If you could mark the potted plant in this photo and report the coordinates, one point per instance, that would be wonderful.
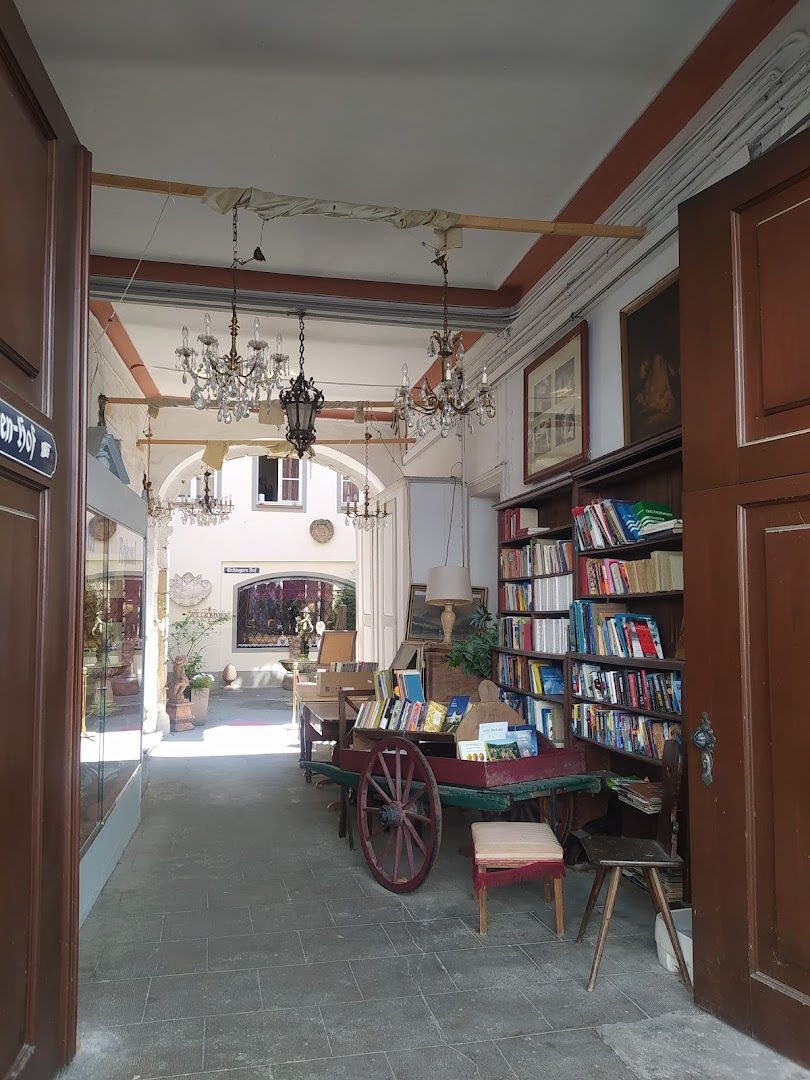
(186, 639)
(200, 687)
(474, 656)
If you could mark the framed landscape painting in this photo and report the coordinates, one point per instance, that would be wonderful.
(424, 620)
(651, 362)
(555, 407)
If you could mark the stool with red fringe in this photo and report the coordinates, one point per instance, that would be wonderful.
(508, 852)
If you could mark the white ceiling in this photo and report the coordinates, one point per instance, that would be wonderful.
(348, 360)
(498, 109)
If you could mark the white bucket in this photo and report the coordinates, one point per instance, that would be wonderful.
(683, 927)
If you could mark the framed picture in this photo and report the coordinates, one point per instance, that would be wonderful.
(424, 620)
(555, 407)
(651, 362)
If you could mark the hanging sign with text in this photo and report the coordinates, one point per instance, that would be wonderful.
(24, 441)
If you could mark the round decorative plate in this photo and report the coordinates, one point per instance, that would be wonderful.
(322, 530)
(102, 528)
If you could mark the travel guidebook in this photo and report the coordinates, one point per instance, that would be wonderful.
(456, 710)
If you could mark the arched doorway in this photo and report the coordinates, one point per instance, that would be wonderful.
(266, 609)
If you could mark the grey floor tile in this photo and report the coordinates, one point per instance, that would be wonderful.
(366, 1027)
(354, 911)
(254, 950)
(291, 915)
(568, 1055)
(213, 922)
(341, 884)
(358, 1067)
(346, 943)
(264, 1038)
(570, 1005)
(260, 1072)
(631, 952)
(246, 894)
(656, 992)
(511, 928)
(143, 1050)
(427, 904)
(171, 897)
(476, 969)
(432, 935)
(107, 928)
(307, 984)
(695, 1046)
(482, 1060)
(567, 960)
(173, 997)
(151, 958)
(108, 1004)
(402, 976)
(88, 959)
(498, 1010)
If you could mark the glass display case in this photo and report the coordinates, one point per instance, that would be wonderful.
(112, 716)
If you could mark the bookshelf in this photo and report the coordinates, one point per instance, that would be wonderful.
(649, 472)
(522, 558)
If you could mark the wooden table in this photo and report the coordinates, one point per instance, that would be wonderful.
(322, 719)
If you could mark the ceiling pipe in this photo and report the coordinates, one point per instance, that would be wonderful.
(113, 329)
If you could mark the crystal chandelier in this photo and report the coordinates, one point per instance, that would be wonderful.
(450, 402)
(301, 402)
(157, 512)
(203, 509)
(235, 385)
(359, 512)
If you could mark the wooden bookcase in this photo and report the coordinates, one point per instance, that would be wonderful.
(650, 472)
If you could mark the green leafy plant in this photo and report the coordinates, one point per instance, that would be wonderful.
(203, 681)
(473, 655)
(188, 634)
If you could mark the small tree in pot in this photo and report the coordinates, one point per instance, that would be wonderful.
(186, 639)
(474, 656)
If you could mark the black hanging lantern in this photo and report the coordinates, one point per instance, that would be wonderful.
(302, 403)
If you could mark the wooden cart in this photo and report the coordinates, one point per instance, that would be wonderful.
(399, 792)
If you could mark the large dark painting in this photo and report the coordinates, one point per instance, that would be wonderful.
(651, 362)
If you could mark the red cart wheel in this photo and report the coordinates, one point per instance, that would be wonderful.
(399, 815)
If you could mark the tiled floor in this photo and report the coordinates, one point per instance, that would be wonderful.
(239, 939)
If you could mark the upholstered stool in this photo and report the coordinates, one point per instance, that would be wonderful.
(508, 852)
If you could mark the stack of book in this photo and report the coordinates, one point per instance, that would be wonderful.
(644, 795)
(520, 521)
(353, 665)
(530, 676)
(614, 522)
(623, 731)
(516, 596)
(552, 556)
(662, 572)
(397, 714)
(534, 635)
(552, 593)
(659, 690)
(610, 630)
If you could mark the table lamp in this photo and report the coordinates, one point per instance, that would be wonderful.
(448, 587)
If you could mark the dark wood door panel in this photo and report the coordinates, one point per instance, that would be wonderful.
(744, 277)
(26, 236)
(20, 536)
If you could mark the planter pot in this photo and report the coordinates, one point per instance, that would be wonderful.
(199, 705)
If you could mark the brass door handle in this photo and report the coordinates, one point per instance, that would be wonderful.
(704, 739)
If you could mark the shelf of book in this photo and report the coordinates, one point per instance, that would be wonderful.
(657, 594)
(654, 663)
(654, 713)
(558, 698)
(646, 758)
(669, 541)
(525, 652)
(537, 614)
(551, 533)
(523, 577)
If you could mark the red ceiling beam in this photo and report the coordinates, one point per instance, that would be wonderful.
(122, 343)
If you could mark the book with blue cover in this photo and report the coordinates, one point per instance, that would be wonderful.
(552, 678)
(456, 709)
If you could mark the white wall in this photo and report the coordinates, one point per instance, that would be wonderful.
(276, 540)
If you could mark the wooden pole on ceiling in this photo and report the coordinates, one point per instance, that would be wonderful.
(272, 442)
(466, 221)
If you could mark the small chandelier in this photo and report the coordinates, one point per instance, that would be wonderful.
(302, 402)
(203, 509)
(157, 513)
(359, 512)
(235, 385)
(450, 402)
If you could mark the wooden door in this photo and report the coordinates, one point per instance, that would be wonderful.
(745, 340)
(44, 205)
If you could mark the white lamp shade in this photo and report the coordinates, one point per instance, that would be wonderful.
(449, 585)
